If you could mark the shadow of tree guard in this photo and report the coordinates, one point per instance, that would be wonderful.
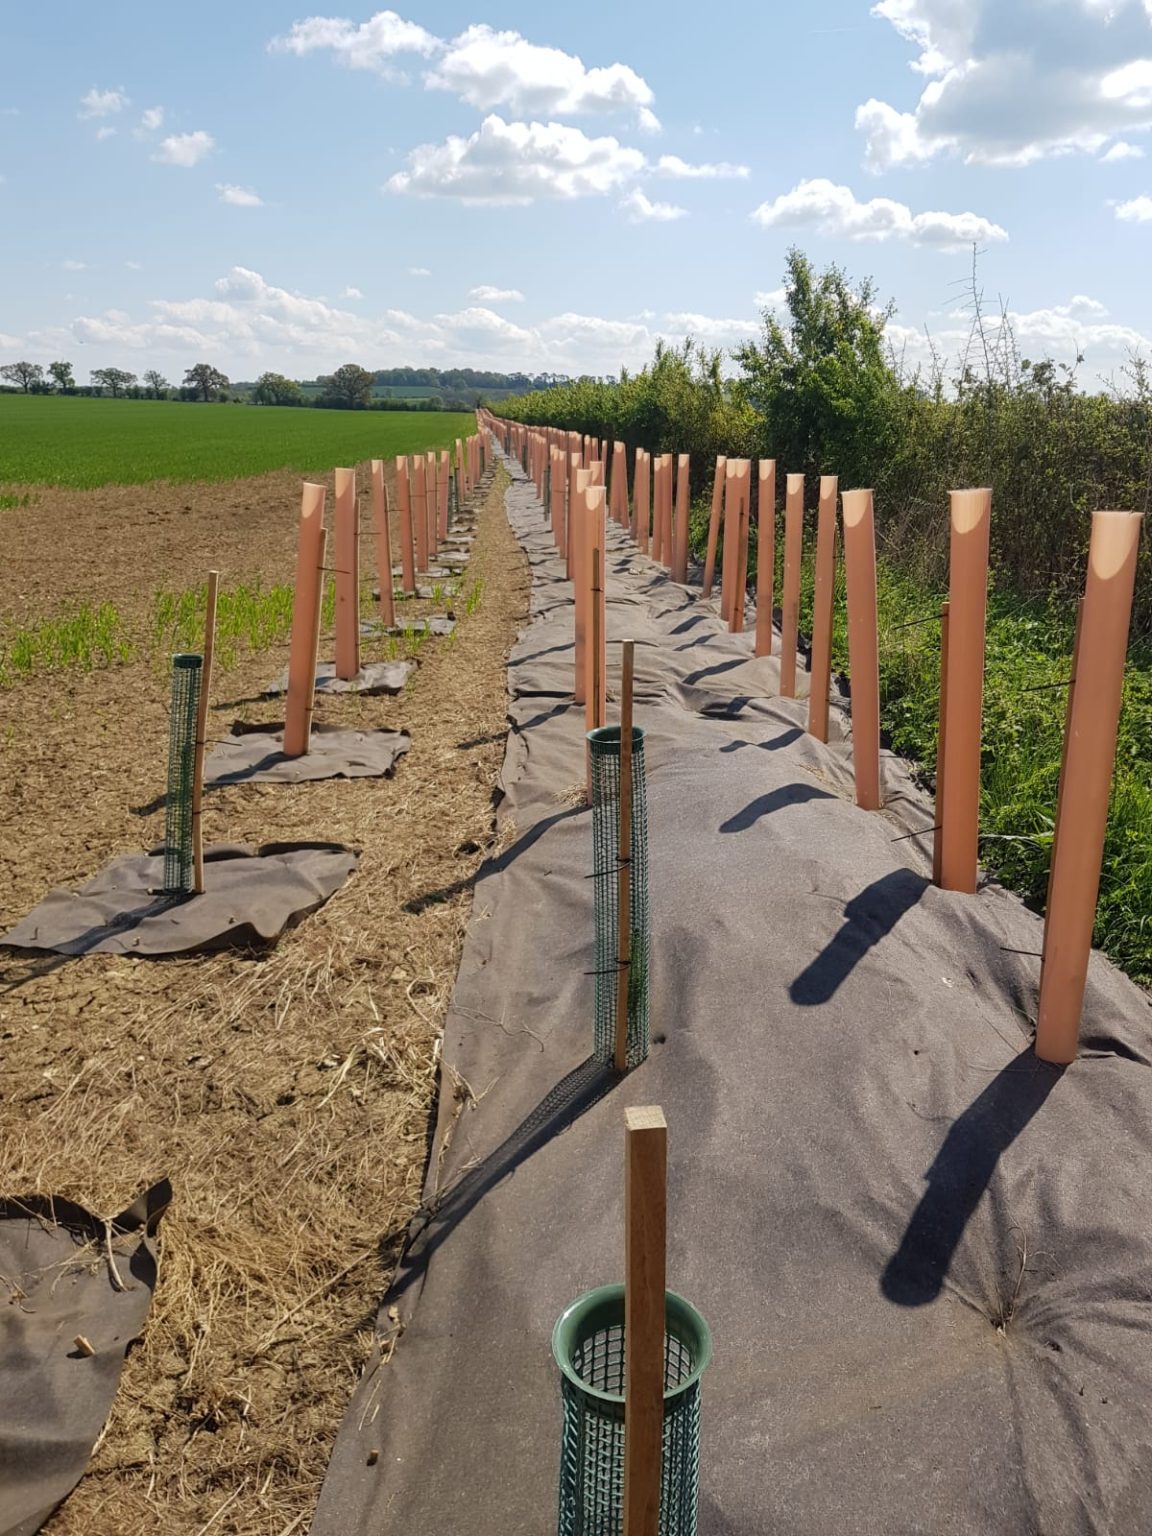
(868, 918)
(776, 800)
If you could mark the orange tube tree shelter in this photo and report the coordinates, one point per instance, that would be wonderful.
(306, 602)
(863, 645)
(1090, 755)
(822, 607)
(765, 554)
(743, 479)
(420, 511)
(730, 557)
(718, 480)
(579, 551)
(347, 553)
(642, 498)
(790, 606)
(680, 535)
(958, 810)
(594, 575)
(383, 543)
(404, 497)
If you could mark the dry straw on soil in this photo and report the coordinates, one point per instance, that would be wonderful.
(287, 1094)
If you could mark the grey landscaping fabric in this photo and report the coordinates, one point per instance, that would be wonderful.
(440, 625)
(375, 677)
(254, 755)
(924, 1255)
(65, 1275)
(251, 895)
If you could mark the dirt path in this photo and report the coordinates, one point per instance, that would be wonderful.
(287, 1094)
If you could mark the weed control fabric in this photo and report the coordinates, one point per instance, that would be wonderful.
(922, 1254)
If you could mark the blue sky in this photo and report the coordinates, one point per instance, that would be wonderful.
(261, 185)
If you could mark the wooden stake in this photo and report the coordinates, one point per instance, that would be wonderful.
(1082, 816)
(347, 553)
(790, 606)
(863, 645)
(822, 609)
(307, 604)
(202, 736)
(383, 543)
(714, 525)
(624, 859)
(646, 1241)
(765, 556)
(941, 753)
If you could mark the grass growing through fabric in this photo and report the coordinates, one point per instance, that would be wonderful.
(81, 442)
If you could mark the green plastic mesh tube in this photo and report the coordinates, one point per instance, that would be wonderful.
(604, 745)
(186, 675)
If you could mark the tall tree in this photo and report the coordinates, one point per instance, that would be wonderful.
(156, 382)
(28, 375)
(205, 380)
(350, 387)
(275, 389)
(62, 377)
(114, 380)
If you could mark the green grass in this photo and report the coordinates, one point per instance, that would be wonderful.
(80, 442)
(89, 637)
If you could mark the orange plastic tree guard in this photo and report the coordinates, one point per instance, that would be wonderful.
(594, 574)
(822, 608)
(558, 497)
(579, 547)
(574, 468)
(420, 511)
(731, 539)
(462, 467)
(403, 495)
(445, 473)
(1090, 755)
(863, 645)
(714, 524)
(941, 753)
(347, 558)
(657, 505)
(666, 550)
(383, 543)
(765, 555)
(680, 536)
(432, 492)
(744, 493)
(790, 606)
(959, 807)
(306, 603)
(642, 498)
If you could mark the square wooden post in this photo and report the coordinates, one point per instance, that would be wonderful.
(645, 1285)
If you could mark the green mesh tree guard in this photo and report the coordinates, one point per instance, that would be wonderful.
(604, 745)
(186, 674)
(588, 1344)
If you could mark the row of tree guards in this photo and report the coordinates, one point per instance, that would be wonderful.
(581, 480)
(430, 489)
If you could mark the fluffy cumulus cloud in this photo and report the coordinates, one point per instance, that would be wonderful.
(1008, 82)
(186, 149)
(672, 165)
(246, 324)
(99, 103)
(642, 210)
(151, 119)
(372, 44)
(1138, 210)
(836, 211)
(1121, 150)
(486, 294)
(238, 197)
(518, 163)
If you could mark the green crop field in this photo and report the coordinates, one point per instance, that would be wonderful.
(60, 440)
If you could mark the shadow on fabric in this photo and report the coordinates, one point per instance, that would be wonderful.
(777, 800)
(560, 1108)
(915, 1274)
(490, 867)
(777, 744)
(868, 918)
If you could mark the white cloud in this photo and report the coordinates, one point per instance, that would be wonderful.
(369, 45)
(711, 329)
(1122, 151)
(672, 165)
(186, 149)
(74, 266)
(135, 266)
(776, 299)
(105, 133)
(1136, 211)
(490, 69)
(237, 197)
(486, 294)
(9, 343)
(152, 118)
(419, 271)
(1010, 82)
(99, 103)
(641, 210)
(835, 211)
(517, 163)
(351, 293)
(647, 121)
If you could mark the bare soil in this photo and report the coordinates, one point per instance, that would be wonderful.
(286, 1093)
